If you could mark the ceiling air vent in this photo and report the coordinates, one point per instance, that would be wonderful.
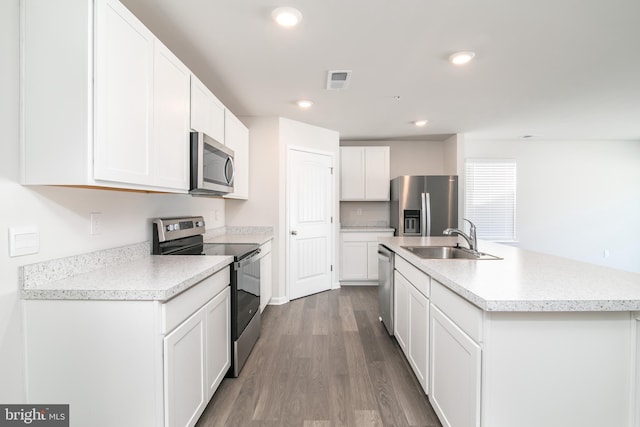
(338, 79)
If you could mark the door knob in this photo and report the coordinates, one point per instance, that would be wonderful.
(294, 232)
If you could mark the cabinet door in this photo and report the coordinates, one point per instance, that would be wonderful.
(354, 261)
(455, 369)
(171, 99)
(401, 310)
(418, 344)
(207, 112)
(123, 94)
(237, 138)
(352, 173)
(185, 391)
(218, 329)
(372, 260)
(266, 282)
(377, 183)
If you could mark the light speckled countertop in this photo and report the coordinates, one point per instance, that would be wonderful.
(525, 280)
(365, 229)
(240, 235)
(127, 273)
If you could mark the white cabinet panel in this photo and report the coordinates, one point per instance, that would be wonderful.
(372, 260)
(171, 120)
(352, 173)
(455, 371)
(377, 183)
(124, 87)
(207, 112)
(218, 339)
(418, 343)
(401, 289)
(354, 261)
(266, 272)
(364, 173)
(237, 138)
(184, 370)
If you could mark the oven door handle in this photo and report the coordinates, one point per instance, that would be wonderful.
(255, 256)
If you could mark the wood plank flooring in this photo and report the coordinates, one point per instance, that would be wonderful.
(323, 361)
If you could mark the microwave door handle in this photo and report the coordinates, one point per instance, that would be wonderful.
(229, 170)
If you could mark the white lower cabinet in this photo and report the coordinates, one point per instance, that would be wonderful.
(131, 363)
(197, 354)
(411, 319)
(455, 373)
(184, 370)
(401, 310)
(359, 255)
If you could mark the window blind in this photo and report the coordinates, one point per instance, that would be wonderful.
(490, 198)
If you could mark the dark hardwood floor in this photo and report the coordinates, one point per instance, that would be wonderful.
(324, 360)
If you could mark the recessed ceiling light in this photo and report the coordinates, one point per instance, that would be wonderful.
(286, 16)
(460, 58)
(304, 103)
(421, 123)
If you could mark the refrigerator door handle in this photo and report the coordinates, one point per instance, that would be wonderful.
(425, 217)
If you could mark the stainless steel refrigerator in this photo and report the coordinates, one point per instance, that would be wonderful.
(424, 205)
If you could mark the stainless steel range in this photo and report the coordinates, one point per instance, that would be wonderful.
(184, 236)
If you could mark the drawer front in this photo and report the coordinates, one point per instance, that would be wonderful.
(420, 280)
(176, 310)
(464, 314)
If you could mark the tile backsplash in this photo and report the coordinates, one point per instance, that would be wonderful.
(364, 214)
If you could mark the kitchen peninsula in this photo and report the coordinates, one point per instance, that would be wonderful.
(528, 340)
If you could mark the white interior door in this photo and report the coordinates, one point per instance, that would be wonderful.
(310, 224)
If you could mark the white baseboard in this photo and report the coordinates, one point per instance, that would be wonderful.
(278, 301)
(359, 283)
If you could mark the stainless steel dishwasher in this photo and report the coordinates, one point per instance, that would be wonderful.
(385, 286)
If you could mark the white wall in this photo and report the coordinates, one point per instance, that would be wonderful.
(62, 214)
(575, 198)
(269, 138)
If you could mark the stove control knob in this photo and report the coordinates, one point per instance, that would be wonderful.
(200, 224)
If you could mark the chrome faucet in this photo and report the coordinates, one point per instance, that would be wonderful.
(471, 239)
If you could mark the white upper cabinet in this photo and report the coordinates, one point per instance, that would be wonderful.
(171, 119)
(111, 110)
(364, 173)
(207, 112)
(123, 96)
(236, 137)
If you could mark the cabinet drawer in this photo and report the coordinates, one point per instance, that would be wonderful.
(364, 236)
(418, 279)
(176, 310)
(464, 314)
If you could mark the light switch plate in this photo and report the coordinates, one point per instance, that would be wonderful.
(24, 240)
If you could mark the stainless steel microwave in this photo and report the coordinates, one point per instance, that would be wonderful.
(212, 167)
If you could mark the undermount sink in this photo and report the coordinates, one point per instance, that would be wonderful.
(447, 252)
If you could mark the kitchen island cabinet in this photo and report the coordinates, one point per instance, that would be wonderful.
(528, 340)
(144, 343)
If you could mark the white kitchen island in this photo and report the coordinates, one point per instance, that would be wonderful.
(126, 338)
(528, 340)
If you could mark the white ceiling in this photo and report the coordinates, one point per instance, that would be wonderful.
(557, 69)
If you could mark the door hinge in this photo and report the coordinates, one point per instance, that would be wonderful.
(331, 169)
(331, 220)
(331, 267)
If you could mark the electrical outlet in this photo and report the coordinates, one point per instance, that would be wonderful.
(605, 253)
(95, 218)
(359, 211)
